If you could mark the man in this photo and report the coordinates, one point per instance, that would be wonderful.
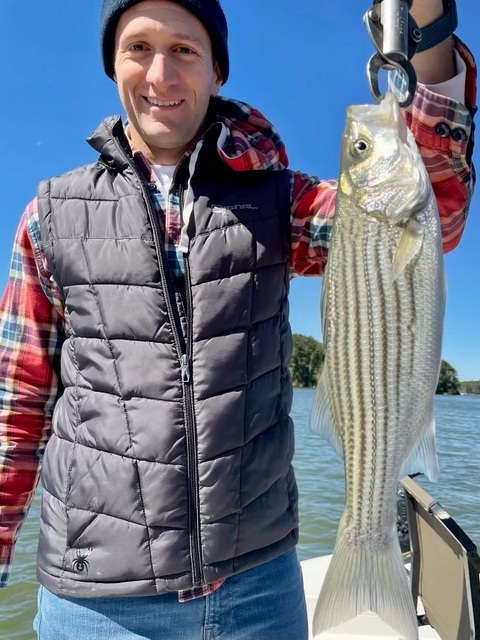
(152, 321)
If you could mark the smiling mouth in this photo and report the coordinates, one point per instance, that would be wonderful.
(163, 103)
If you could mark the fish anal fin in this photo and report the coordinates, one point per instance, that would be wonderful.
(321, 420)
(423, 457)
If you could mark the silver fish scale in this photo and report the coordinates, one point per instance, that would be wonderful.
(381, 362)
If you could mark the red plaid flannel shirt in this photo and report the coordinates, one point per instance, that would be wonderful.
(31, 310)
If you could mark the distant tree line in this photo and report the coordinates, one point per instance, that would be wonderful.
(307, 362)
(471, 386)
(448, 382)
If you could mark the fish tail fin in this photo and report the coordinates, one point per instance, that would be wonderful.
(364, 579)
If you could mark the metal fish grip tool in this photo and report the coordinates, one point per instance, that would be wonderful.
(396, 37)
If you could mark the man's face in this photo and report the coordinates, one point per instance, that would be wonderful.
(165, 75)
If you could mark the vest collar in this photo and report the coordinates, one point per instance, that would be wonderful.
(110, 141)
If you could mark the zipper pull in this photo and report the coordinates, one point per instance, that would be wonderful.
(185, 368)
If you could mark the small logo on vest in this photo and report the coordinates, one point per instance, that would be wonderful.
(80, 562)
(232, 207)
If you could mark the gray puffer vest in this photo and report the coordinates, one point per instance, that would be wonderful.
(169, 464)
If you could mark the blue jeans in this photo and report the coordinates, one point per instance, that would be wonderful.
(263, 603)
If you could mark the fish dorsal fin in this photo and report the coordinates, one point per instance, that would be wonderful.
(423, 458)
(321, 421)
(410, 244)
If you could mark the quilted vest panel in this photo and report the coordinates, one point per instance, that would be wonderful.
(169, 463)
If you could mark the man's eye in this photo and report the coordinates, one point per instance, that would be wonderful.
(137, 47)
(185, 50)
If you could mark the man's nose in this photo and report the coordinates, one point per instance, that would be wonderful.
(161, 70)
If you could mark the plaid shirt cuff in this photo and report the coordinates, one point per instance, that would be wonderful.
(439, 122)
(199, 592)
(6, 558)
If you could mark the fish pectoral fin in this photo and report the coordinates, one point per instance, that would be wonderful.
(321, 421)
(408, 247)
(423, 457)
(366, 579)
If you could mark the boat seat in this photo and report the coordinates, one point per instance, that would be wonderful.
(445, 567)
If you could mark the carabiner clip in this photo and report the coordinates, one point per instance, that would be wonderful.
(396, 37)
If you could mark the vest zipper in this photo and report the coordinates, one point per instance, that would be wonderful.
(184, 350)
(185, 364)
(192, 448)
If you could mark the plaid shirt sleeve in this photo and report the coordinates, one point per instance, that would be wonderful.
(31, 331)
(446, 151)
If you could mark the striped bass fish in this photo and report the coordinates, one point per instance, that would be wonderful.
(383, 302)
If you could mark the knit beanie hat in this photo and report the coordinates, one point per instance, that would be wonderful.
(209, 12)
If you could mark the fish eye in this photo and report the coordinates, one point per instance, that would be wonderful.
(359, 147)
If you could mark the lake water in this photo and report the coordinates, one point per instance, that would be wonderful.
(320, 479)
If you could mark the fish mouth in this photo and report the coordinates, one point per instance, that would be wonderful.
(387, 112)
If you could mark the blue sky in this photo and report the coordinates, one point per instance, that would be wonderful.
(301, 63)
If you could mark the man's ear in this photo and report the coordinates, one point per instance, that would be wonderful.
(218, 79)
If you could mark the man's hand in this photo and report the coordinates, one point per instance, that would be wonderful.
(438, 63)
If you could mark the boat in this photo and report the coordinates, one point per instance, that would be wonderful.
(443, 566)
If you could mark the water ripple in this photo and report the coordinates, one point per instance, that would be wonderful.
(320, 478)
